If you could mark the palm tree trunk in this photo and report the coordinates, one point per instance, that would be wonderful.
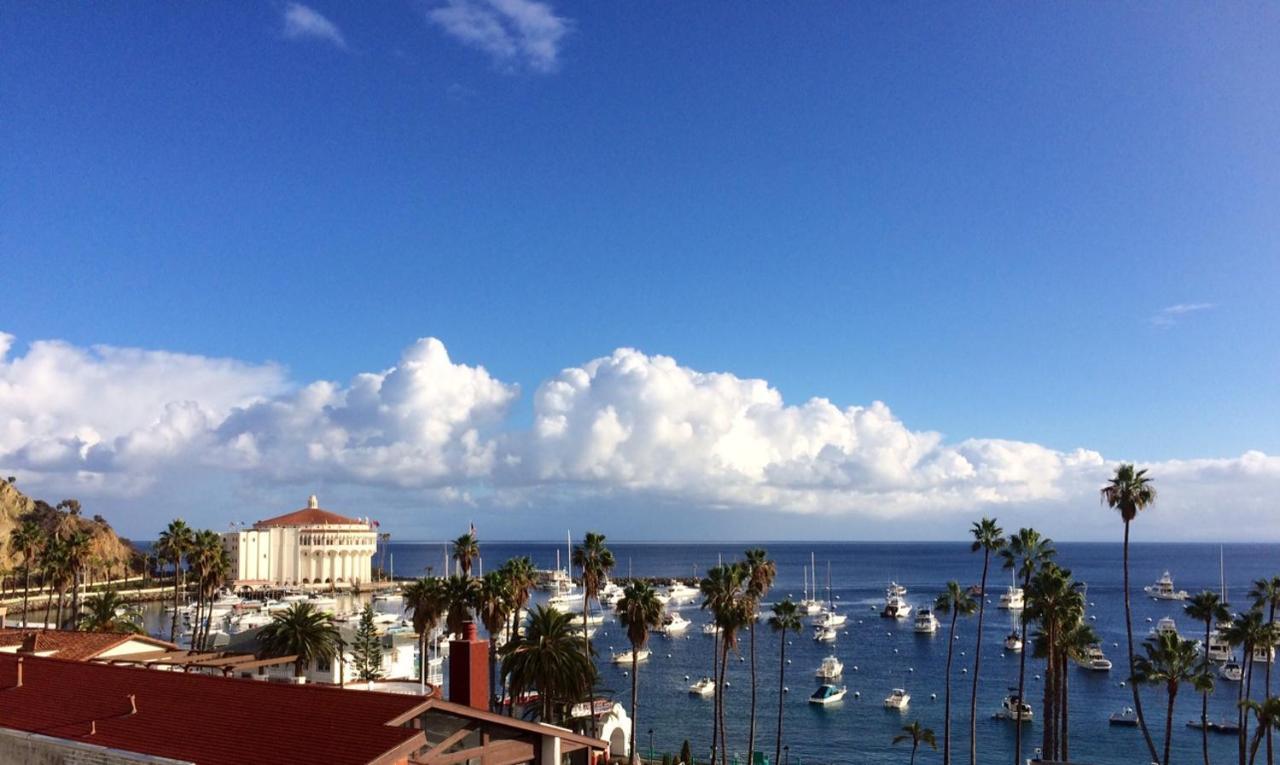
(586, 642)
(1022, 676)
(1204, 695)
(715, 702)
(60, 623)
(26, 591)
(1271, 619)
(1046, 734)
(1248, 690)
(914, 746)
(635, 681)
(724, 672)
(1241, 714)
(493, 687)
(1168, 721)
(48, 606)
(751, 730)
(75, 595)
(1064, 736)
(1128, 627)
(782, 684)
(946, 717)
(173, 624)
(977, 663)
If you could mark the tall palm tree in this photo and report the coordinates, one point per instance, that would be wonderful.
(956, 602)
(1266, 594)
(425, 600)
(1077, 637)
(1267, 714)
(523, 577)
(1169, 661)
(78, 546)
(466, 549)
(1129, 492)
(548, 658)
(1025, 552)
(301, 631)
(785, 619)
(459, 599)
(1207, 607)
(760, 575)
(26, 539)
(638, 612)
(494, 603)
(917, 735)
(1055, 602)
(175, 541)
(1248, 631)
(55, 575)
(108, 612)
(989, 538)
(724, 595)
(595, 561)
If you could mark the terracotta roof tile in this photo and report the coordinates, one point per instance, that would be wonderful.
(307, 516)
(74, 646)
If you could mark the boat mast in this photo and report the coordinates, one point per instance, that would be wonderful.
(806, 583)
(1222, 575)
(831, 604)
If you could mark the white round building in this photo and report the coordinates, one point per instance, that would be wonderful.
(307, 546)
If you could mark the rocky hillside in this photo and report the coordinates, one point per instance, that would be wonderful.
(109, 551)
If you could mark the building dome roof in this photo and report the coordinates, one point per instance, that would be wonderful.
(311, 515)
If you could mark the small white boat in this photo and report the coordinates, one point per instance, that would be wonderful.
(896, 607)
(323, 603)
(1231, 671)
(1126, 718)
(826, 634)
(675, 624)
(1095, 660)
(388, 598)
(624, 657)
(899, 699)
(1012, 598)
(1013, 642)
(683, 593)
(895, 589)
(249, 621)
(828, 694)
(704, 687)
(1264, 654)
(830, 669)
(1219, 649)
(1014, 708)
(711, 628)
(831, 619)
(1163, 589)
(926, 622)
(1166, 626)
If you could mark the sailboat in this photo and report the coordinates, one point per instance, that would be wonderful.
(811, 604)
(830, 618)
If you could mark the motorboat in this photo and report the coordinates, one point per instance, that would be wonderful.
(323, 603)
(711, 628)
(1264, 654)
(704, 687)
(682, 593)
(896, 607)
(249, 621)
(1094, 659)
(1011, 598)
(1013, 642)
(830, 668)
(831, 619)
(675, 624)
(926, 622)
(1219, 649)
(1166, 626)
(1231, 671)
(826, 634)
(387, 598)
(1229, 727)
(1014, 708)
(975, 591)
(1126, 717)
(1163, 589)
(828, 694)
(624, 657)
(899, 699)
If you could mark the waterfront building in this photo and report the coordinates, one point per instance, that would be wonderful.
(307, 546)
(79, 646)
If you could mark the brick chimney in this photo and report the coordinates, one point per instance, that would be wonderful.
(469, 669)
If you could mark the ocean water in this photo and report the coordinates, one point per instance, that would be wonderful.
(889, 654)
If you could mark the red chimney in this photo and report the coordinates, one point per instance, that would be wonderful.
(469, 669)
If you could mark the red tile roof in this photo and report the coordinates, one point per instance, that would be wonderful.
(74, 646)
(202, 719)
(307, 516)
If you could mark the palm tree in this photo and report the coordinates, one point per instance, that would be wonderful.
(301, 631)
(1054, 601)
(989, 538)
(1267, 713)
(1266, 594)
(26, 540)
(595, 561)
(108, 612)
(916, 734)
(78, 545)
(523, 577)
(466, 548)
(786, 618)
(1248, 631)
(1207, 607)
(956, 602)
(724, 595)
(494, 603)
(204, 555)
(459, 598)
(1169, 661)
(548, 658)
(1077, 638)
(425, 600)
(1025, 552)
(1130, 491)
(760, 575)
(174, 543)
(54, 574)
(638, 612)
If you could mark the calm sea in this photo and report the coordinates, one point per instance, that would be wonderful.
(889, 654)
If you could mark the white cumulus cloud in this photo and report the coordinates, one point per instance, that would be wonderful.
(304, 22)
(514, 33)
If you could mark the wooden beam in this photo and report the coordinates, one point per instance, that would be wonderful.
(505, 752)
(449, 741)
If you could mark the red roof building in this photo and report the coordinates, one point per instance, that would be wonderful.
(77, 646)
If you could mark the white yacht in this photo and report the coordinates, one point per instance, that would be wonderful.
(899, 699)
(624, 657)
(825, 634)
(682, 593)
(1013, 642)
(1014, 708)
(1231, 671)
(1264, 654)
(704, 687)
(1166, 626)
(830, 669)
(1163, 589)
(831, 619)
(896, 607)
(1095, 660)
(675, 624)
(926, 622)
(1011, 598)
(896, 589)
(250, 621)
(1219, 649)
(810, 605)
(828, 694)
(711, 628)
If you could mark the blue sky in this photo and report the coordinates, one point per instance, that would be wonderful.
(1048, 223)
